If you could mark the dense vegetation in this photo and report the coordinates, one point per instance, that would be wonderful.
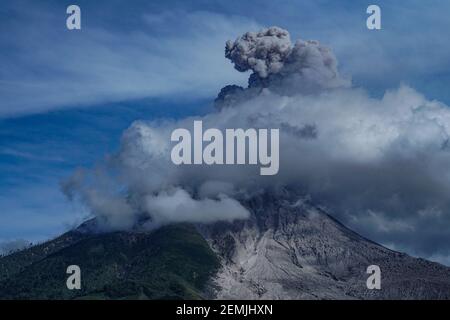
(173, 262)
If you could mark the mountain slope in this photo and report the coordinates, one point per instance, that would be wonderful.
(290, 249)
(17, 262)
(173, 262)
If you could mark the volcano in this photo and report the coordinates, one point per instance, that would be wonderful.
(289, 248)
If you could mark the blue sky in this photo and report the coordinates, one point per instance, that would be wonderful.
(66, 96)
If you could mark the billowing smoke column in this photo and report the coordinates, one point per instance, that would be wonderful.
(381, 166)
(264, 52)
(305, 67)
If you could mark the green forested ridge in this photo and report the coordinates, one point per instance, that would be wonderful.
(173, 262)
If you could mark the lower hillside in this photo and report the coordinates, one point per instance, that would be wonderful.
(174, 262)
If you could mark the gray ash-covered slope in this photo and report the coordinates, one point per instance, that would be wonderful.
(290, 249)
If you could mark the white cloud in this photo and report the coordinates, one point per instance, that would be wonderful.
(177, 205)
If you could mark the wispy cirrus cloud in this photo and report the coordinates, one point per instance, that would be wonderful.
(47, 67)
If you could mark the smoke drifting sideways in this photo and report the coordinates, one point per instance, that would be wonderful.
(379, 165)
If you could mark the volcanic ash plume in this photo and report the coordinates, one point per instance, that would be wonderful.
(305, 67)
(379, 165)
